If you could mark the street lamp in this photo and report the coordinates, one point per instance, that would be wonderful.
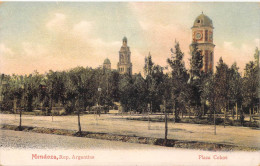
(98, 104)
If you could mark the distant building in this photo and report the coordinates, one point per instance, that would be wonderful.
(107, 64)
(202, 34)
(124, 65)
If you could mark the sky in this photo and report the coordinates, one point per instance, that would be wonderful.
(55, 36)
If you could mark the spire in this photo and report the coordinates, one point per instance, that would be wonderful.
(149, 54)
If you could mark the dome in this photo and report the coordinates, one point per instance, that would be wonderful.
(125, 39)
(202, 20)
(107, 61)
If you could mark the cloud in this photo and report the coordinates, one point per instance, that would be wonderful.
(160, 31)
(228, 45)
(68, 45)
(32, 50)
(230, 53)
(5, 51)
(66, 42)
(57, 22)
(83, 28)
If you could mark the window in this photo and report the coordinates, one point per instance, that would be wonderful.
(206, 60)
(198, 21)
(206, 35)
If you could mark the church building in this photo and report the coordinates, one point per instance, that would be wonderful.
(124, 65)
(202, 34)
(107, 64)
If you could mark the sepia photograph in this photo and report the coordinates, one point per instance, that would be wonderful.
(129, 83)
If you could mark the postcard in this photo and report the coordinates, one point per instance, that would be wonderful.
(129, 83)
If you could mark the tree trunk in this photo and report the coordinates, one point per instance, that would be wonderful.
(236, 111)
(233, 116)
(20, 124)
(166, 128)
(51, 110)
(250, 114)
(214, 121)
(15, 103)
(224, 117)
(149, 124)
(79, 122)
(15, 107)
(175, 111)
(42, 106)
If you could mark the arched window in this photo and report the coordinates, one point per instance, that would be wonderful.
(206, 60)
(206, 35)
(211, 57)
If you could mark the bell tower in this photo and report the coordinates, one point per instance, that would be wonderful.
(202, 34)
(124, 65)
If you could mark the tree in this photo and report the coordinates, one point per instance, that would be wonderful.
(6, 93)
(210, 97)
(179, 79)
(18, 93)
(80, 90)
(31, 89)
(154, 77)
(55, 88)
(126, 92)
(140, 92)
(196, 79)
(222, 87)
(109, 81)
(148, 70)
(250, 86)
(235, 89)
(166, 106)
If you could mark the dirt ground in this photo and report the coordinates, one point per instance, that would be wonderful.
(10, 139)
(230, 135)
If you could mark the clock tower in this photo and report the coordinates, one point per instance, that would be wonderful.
(202, 34)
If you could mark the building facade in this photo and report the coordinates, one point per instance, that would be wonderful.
(124, 65)
(202, 34)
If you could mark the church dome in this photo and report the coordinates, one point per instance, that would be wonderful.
(125, 39)
(107, 61)
(203, 21)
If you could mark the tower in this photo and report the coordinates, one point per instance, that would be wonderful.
(124, 65)
(107, 64)
(202, 34)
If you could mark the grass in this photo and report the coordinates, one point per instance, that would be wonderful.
(219, 121)
(134, 139)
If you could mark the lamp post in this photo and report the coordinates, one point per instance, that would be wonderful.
(99, 90)
(98, 105)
